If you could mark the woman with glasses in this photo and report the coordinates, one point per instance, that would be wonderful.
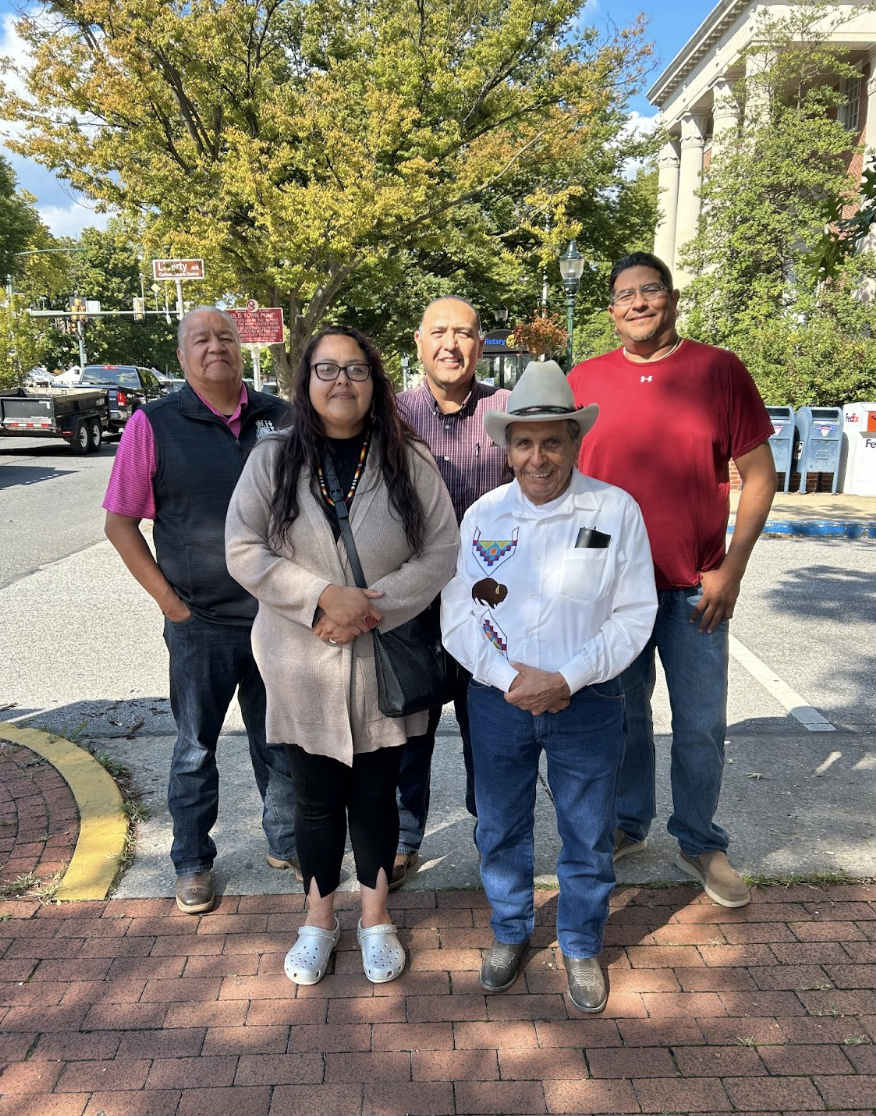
(312, 636)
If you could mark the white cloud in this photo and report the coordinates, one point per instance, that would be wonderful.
(63, 210)
(638, 125)
(71, 219)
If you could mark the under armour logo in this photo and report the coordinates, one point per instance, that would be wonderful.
(644, 378)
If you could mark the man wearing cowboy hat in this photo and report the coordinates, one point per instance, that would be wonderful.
(553, 597)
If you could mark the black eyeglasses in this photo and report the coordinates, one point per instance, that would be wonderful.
(328, 370)
(651, 292)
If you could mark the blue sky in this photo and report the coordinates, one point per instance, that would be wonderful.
(669, 28)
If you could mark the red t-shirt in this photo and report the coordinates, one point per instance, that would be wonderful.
(666, 432)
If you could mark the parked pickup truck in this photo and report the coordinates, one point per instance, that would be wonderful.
(79, 417)
(128, 386)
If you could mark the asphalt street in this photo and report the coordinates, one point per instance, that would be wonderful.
(49, 503)
(84, 657)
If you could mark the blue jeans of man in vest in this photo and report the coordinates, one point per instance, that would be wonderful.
(208, 662)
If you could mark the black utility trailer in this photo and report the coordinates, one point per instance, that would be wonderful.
(78, 415)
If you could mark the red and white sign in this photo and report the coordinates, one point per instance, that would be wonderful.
(259, 326)
(178, 269)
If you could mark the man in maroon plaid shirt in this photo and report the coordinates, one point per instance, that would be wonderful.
(447, 411)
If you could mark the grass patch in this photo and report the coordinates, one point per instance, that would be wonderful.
(20, 886)
(807, 879)
(112, 766)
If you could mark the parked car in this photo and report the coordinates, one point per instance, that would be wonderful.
(129, 387)
(166, 381)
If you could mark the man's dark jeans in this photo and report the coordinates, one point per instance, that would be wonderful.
(415, 775)
(208, 662)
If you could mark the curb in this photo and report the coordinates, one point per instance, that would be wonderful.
(103, 827)
(816, 528)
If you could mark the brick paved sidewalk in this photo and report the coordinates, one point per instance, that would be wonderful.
(130, 1008)
(39, 821)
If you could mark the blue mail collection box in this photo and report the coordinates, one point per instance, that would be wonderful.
(820, 439)
(782, 442)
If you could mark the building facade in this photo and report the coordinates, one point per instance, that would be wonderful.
(700, 112)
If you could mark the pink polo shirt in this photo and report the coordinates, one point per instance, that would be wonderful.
(130, 491)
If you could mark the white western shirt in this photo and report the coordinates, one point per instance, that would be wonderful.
(523, 592)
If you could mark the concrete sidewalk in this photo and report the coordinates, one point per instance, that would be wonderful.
(127, 1007)
(817, 514)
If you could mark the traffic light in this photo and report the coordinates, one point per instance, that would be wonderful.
(77, 308)
(139, 309)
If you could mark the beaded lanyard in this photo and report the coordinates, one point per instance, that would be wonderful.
(356, 477)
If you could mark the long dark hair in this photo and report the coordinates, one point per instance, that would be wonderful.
(305, 445)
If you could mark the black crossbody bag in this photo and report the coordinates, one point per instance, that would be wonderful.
(413, 669)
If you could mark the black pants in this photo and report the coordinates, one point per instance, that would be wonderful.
(327, 793)
(415, 773)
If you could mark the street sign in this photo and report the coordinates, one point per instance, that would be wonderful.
(178, 269)
(259, 326)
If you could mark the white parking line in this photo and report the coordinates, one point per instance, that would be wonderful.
(796, 705)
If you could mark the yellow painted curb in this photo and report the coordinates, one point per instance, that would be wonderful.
(102, 825)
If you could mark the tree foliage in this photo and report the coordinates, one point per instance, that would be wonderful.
(764, 200)
(311, 150)
(19, 222)
(108, 269)
(26, 267)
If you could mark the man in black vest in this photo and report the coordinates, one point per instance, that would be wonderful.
(177, 464)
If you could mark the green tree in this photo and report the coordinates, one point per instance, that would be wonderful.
(30, 268)
(295, 144)
(763, 206)
(108, 268)
(19, 222)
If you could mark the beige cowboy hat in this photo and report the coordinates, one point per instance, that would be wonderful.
(542, 394)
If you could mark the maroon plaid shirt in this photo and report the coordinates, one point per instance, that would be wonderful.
(470, 463)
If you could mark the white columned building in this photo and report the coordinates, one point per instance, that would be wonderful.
(699, 110)
(687, 218)
(667, 180)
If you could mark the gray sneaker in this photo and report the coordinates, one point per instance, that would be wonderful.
(500, 964)
(624, 845)
(721, 881)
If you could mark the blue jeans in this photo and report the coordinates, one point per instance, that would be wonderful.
(584, 745)
(696, 666)
(415, 774)
(208, 662)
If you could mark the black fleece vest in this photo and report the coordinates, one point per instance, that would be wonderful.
(198, 463)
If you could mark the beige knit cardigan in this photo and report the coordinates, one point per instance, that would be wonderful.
(321, 696)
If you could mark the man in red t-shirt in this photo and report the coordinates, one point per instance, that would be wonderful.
(672, 414)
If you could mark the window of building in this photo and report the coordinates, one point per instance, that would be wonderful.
(850, 113)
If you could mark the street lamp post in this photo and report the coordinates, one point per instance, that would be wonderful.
(571, 269)
(501, 316)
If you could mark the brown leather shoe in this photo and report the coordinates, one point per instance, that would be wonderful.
(587, 989)
(404, 863)
(194, 892)
(283, 865)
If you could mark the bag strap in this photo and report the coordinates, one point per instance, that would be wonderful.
(343, 516)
